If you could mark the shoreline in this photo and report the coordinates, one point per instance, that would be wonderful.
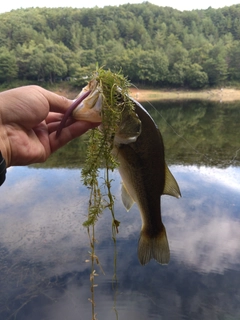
(221, 95)
(217, 95)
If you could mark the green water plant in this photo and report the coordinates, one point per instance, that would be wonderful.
(115, 106)
(113, 88)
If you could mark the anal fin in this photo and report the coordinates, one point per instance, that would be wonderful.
(126, 198)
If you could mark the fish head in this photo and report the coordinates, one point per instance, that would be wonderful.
(90, 108)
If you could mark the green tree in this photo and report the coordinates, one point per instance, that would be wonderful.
(151, 66)
(200, 54)
(36, 66)
(176, 75)
(116, 37)
(234, 62)
(195, 77)
(54, 67)
(8, 66)
(24, 54)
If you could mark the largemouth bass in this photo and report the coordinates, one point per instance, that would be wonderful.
(138, 145)
(146, 178)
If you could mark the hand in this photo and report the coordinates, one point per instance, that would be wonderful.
(29, 118)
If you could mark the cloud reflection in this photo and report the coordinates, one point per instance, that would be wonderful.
(43, 242)
(46, 209)
(204, 229)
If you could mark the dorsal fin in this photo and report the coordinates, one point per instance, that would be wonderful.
(171, 187)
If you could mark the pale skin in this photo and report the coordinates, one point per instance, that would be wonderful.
(29, 118)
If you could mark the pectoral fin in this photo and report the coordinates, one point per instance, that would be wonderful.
(171, 187)
(126, 198)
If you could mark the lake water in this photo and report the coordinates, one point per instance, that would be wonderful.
(44, 249)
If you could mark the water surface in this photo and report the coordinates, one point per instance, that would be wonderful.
(44, 247)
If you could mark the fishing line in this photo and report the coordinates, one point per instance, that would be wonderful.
(229, 162)
(181, 137)
(234, 157)
(174, 130)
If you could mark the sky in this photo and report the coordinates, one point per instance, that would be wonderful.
(180, 5)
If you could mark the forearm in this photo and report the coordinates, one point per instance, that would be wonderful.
(2, 159)
(4, 143)
(2, 169)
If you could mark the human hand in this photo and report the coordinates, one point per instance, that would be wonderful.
(29, 118)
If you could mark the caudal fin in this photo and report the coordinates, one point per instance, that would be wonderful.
(156, 247)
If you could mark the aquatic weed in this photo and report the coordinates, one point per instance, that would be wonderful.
(114, 90)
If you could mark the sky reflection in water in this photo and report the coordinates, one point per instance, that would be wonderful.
(43, 248)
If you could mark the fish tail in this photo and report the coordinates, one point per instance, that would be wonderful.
(153, 247)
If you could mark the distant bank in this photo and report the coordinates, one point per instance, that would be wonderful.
(222, 95)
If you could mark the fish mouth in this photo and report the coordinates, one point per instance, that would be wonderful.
(89, 105)
(90, 108)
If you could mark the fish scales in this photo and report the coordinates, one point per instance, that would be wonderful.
(142, 168)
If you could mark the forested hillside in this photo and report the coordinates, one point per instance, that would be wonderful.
(152, 45)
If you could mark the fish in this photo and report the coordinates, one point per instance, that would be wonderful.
(139, 148)
(146, 177)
